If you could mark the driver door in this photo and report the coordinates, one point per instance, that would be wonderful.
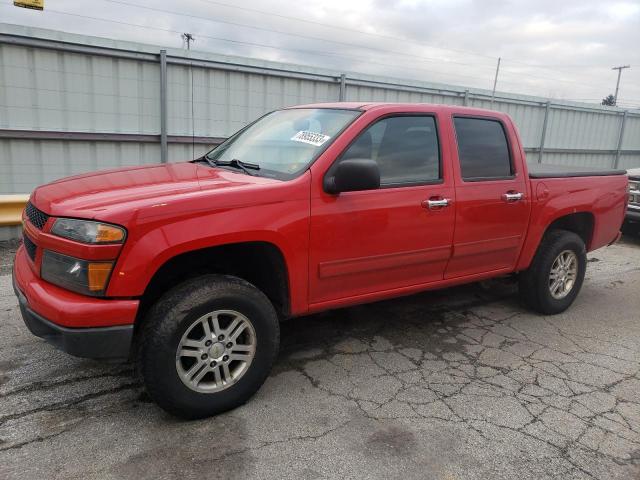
(371, 241)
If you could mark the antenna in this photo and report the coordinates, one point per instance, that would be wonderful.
(187, 38)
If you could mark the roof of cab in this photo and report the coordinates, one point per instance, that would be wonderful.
(342, 105)
(395, 105)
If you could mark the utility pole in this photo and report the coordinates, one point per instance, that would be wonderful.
(620, 68)
(495, 81)
(188, 38)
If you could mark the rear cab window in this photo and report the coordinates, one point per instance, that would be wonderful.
(483, 149)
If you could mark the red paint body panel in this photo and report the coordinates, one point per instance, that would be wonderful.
(66, 308)
(602, 197)
(489, 232)
(377, 238)
(339, 249)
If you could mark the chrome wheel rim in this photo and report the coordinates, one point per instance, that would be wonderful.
(563, 274)
(215, 351)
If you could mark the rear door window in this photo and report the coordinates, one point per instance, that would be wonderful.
(483, 149)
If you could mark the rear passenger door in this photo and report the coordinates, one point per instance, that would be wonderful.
(492, 208)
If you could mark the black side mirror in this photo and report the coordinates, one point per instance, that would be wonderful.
(353, 175)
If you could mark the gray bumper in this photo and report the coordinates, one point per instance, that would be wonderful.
(98, 342)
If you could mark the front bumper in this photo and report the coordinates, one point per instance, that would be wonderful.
(81, 326)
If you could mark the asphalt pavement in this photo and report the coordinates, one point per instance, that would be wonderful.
(457, 384)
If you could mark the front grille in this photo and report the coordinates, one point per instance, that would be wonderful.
(30, 247)
(37, 217)
(634, 192)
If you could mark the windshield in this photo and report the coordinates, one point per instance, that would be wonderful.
(283, 143)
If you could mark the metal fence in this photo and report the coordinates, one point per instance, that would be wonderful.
(70, 104)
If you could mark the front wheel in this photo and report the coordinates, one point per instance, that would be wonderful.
(555, 276)
(207, 346)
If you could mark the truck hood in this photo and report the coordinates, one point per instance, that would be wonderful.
(97, 194)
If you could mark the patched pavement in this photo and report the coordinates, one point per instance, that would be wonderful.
(457, 384)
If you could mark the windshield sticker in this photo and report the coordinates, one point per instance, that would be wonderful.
(311, 138)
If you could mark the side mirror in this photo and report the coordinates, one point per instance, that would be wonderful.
(353, 175)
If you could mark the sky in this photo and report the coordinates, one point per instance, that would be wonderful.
(561, 49)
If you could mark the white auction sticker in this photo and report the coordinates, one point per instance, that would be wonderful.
(311, 138)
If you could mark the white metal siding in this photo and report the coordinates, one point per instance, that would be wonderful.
(62, 91)
(224, 102)
(43, 89)
(582, 129)
(631, 140)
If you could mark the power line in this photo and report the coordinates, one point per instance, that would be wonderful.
(390, 37)
(306, 51)
(377, 50)
(261, 45)
(336, 27)
(549, 78)
(309, 37)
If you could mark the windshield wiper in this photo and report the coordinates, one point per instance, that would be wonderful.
(206, 158)
(244, 166)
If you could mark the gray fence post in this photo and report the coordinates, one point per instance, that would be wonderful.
(616, 161)
(164, 149)
(343, 88)
(544, 130)
(465, 102)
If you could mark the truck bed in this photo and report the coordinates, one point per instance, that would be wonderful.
(541, 170)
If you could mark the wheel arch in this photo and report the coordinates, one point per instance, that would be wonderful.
(260, 263)
(581, 223)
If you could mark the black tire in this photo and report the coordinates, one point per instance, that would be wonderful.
(170, 318)
(534, 282)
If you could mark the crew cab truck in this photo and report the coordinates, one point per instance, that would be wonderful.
(188, 268)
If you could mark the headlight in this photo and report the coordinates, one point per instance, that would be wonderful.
(87, 231)
(82, 276)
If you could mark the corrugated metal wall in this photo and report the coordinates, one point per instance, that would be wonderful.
(225, 101)
(56, 88)
(45, 89)
(631, 142)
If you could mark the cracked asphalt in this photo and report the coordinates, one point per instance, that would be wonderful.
(456, 384)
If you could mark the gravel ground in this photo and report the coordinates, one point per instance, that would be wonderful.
(7, 251)
(457, 384)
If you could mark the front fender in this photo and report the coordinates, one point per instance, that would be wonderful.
(284, 224)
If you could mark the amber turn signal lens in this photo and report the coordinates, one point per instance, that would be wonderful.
(98, 274)
(107, 233)
(88, 231)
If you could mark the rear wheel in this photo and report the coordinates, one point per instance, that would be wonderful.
(555, 276)
(207, 346)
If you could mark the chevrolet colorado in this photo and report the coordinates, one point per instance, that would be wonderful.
(189, 267)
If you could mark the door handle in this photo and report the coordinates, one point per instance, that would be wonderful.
(436, 203)
(511, 197)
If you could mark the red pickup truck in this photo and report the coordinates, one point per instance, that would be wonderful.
(189, 267)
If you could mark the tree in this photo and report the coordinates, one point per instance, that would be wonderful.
(609, 100)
